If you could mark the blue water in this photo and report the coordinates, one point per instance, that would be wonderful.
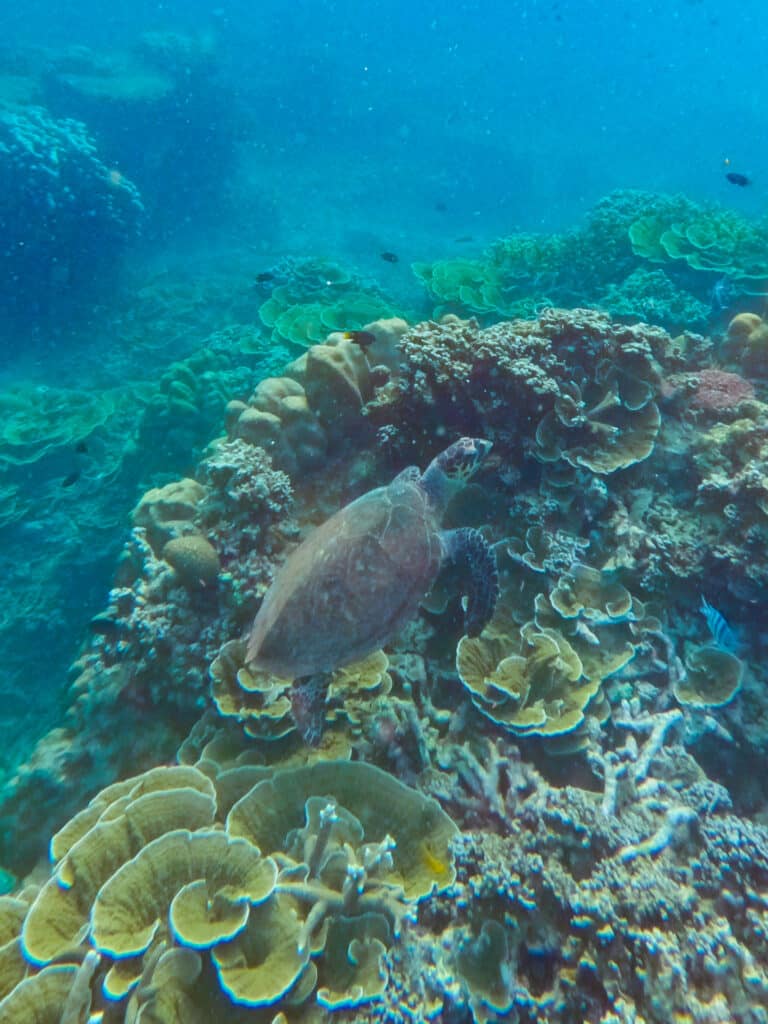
(338, 131)
(519, 116)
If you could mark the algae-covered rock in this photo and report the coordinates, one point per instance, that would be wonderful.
(280, 420)
(337, 382)
(168, 512)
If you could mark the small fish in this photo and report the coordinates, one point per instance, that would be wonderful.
(722, 633)
(738, 179)
(464, 238)
(390, 257)
(81, 448)
(265, 277)
(71, 479)
(441, 207)
(361, 338)
(432, 861)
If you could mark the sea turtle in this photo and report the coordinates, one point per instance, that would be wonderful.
(359, 578)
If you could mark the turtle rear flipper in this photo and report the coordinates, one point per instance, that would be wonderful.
(470, 549)
(308, 696)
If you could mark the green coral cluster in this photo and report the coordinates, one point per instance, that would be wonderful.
(318, 298)
(36, 420)
(650, 295)
(707, 239)
(639, 256)
(261, 701)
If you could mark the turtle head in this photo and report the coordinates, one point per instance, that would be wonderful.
(460, 461)
(451, 469)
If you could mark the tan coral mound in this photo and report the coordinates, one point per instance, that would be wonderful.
(747, 341)
(194, 558)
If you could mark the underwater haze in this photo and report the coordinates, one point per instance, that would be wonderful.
(383, 513)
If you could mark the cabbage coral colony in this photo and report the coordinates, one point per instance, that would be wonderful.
(519, 823)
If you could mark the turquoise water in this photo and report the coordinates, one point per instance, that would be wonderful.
(255, 263)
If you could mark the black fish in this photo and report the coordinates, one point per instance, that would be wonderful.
(390, 257)
(73, 477)
(265, 277)
(81, 448)
(441, 207)
(738, 179)
(361, 338)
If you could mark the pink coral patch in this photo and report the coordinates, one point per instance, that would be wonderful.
(713, 389)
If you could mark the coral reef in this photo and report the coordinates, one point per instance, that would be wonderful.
(153, 642)
(531, 824)
(639, 256)
(72, 461)
(519, 384)
(311, 298)
(54, 183)
(705, 239)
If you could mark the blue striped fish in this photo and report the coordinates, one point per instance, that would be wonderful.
(721, 632)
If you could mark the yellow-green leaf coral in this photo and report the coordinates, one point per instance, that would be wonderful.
(40, 998)
(102, 805)
(382, 804)
(353, 971)
(712, 678)
(587, 592)
(58, 919)
(264, 961)
(133, 904)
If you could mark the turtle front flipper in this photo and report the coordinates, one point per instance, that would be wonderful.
(470, 549)
(308, 695)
